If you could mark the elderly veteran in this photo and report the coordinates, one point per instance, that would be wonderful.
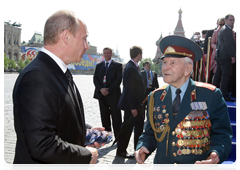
(188, 121)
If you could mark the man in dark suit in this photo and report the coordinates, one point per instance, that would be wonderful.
(48, 110)
(131, 100)
(107, 79)
(188, 121)
(149, 79)
(225, 56)
(234, 77)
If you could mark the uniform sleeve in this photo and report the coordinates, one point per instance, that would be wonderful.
(221, 131)
(147, 139)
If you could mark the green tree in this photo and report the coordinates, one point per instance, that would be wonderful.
(27, 62)
(6, 62)
(12, 65)
(21, 64)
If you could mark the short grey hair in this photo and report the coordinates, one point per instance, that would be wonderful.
(188, 60)
(57, 23)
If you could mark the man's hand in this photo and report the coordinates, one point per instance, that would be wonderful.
(212, 159)
(233, 60)
(104, 91)
(134, 112)
(140, 155)
(94, 153)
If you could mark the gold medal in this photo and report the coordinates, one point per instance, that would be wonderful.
(188, 151)
(178, 130)
(184, 151)
(180, 142)
(187, 124)
(200, 151)
(166, 115)
(193, 151)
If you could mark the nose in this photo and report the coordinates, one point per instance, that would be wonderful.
(86, 46)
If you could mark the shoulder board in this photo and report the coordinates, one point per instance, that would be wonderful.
(161, 88)
(205, 85)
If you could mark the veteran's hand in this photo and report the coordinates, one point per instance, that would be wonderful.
(134, 112)
(140, 155)
(94, 153)
(212, 159)
(104, 91)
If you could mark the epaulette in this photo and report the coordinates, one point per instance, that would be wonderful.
(161, 88)
(205, 85)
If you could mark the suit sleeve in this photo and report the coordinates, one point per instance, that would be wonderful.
(229, 42)
(157, 85)
(39, 105)
(117, 79)
(96, 79)
(221, 131)
(132, 88)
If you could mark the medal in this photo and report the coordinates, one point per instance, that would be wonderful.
(160, 116)
(158, 109)
(179, 152)
(180, 142)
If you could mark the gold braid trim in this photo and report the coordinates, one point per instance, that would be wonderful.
(164, 130)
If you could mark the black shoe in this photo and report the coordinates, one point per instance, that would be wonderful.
(125, 155)
(229, 99)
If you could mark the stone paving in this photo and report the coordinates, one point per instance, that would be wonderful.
(107, 154)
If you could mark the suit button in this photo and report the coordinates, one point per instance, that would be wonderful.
(173, 133)
(174, 154)
(173, 144)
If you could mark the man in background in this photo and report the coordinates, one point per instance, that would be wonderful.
(107, 79)
(225, 56)
(131, 100)
(149, 79)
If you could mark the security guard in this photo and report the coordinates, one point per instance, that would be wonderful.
(188, 121)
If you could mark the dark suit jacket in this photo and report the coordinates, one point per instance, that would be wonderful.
(154, 82)
(220, 131)
(48, 120)
(226, 45)
(113, 80)
(133, 88)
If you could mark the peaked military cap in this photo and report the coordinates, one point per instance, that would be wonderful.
(178, 46)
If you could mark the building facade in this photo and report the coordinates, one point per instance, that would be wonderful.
(12, 40)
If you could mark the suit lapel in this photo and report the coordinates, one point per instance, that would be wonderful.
(110, 67)
(185, 107)
(62, 79)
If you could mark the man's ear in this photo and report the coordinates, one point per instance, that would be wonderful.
(188, 69)
(65, 37)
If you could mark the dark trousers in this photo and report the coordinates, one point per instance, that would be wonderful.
(233, 81)
(222, 76)
(109, 108)
(137, 123)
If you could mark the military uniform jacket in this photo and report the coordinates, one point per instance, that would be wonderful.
(201, 126)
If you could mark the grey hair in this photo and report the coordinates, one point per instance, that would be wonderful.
(57, 23)
(188, 60)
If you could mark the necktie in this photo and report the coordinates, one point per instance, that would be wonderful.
(69, 77)
(176, 103)
(106, 68)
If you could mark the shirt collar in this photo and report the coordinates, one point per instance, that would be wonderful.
(59, 62)
(135, 62)
(109, 62)
(183, 89)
